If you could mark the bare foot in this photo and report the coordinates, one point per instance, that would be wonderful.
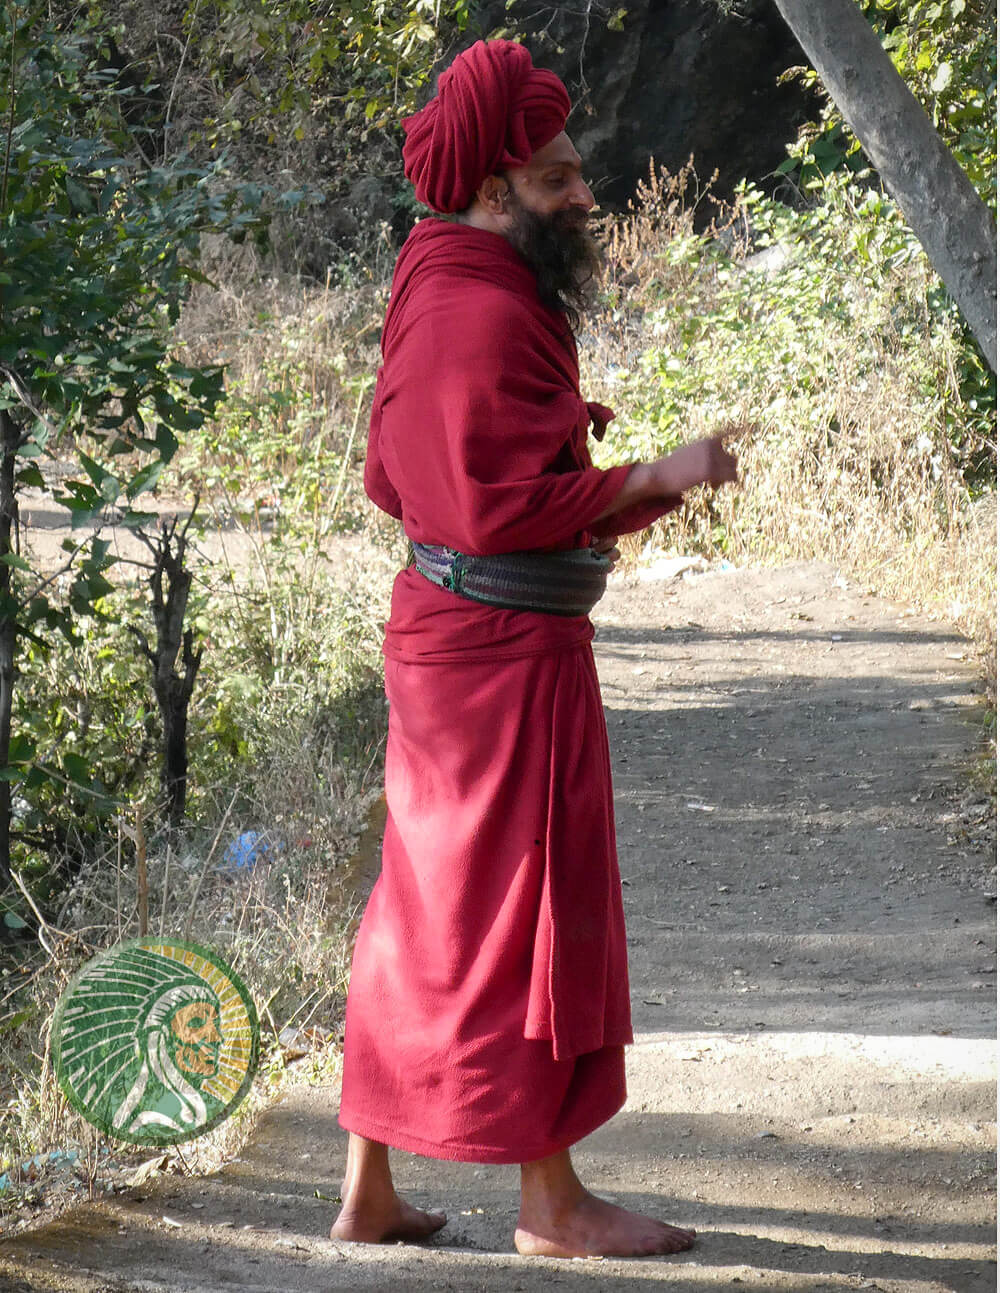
(387, 1222)
(593, 1228)
(373, 1213)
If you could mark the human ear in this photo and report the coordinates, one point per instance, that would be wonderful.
(493, 193)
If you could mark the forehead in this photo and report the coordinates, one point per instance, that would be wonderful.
(558, 152)
(194, 1008)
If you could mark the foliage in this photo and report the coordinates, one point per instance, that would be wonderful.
(98, 250)
(282, 448)
(945, 50)
(277, 65)
(877, 446)
(98, 253)
(292, 694)
(759, 310)
(309, 91)
(288, 715)
(87, 719)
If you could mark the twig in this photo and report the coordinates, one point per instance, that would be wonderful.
(347, 453)
(180, 68)
(166, 890)
(63, 569)
(118, 881)
(316, 1005)
(43, 924)
(141, 874)
(53, 775)
(22, 393)
(204, 870)
(187, 523)
(10, 119)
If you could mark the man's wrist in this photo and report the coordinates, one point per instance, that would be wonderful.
(639, 486)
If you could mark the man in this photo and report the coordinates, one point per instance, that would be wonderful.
(488, 1008)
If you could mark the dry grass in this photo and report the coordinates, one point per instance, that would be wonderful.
(853, 463)
(303, 785)
(286, 927)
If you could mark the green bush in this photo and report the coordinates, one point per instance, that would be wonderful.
(776, 312)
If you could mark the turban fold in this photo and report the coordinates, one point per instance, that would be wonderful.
(493, 109)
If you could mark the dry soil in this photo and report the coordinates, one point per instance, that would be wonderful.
(808, 882)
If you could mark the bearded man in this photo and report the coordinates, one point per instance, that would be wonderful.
(488, 1008)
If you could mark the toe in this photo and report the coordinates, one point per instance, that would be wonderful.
(679, 1240)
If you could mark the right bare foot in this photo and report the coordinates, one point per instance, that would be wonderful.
(386, 1222)
(593, 1228)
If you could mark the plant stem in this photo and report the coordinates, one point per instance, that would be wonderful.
(10, 115)
(141, 874)
(9, 442)
(347, 452)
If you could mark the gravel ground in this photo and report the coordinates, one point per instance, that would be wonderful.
(810, 893)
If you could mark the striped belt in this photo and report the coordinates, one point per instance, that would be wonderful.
(552, 583)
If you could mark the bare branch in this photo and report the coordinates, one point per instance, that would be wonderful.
(180, 68)
(191, 516)
(24, 395)
(12, 96)
(43, 924)
(143, 641)
(64, 569)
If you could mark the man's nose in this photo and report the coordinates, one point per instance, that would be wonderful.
(582, 196)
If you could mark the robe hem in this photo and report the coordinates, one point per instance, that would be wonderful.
(564, 1052)
(468, 1153)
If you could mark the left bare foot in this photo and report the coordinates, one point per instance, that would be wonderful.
(593, 1228)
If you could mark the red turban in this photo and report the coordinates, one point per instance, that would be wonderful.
(493, 109)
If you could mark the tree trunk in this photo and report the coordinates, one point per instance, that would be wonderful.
(173, 694)
(170, 584)
(9, 441)
(936, 196)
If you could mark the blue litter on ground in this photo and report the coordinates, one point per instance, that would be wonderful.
(56, 1158)
(246, 851)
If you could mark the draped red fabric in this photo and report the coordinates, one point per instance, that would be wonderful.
(478, 431)
(493, 109)
(488, 1005)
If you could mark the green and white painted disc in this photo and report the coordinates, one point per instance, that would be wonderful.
(155, 1042)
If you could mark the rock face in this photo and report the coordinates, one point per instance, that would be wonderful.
(681, 78)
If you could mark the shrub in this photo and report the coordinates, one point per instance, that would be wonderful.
(828, 326)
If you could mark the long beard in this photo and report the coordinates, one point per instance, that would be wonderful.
(566, 258)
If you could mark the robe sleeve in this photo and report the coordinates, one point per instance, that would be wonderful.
(637, 516)
(630, 520)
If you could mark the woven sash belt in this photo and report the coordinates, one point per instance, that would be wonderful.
(553, 583)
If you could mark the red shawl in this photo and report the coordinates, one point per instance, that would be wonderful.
(478, 431)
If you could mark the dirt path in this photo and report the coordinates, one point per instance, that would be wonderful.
(811, 913)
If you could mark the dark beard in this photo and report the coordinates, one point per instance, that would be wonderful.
(566, 258)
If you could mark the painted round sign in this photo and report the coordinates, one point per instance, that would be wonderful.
(155, 1042)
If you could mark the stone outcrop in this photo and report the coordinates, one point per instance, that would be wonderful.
(680, 78)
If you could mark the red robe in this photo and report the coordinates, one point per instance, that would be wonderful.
(489, 1004)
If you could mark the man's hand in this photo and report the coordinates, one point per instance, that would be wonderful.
(702, 462)
(607, 547)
